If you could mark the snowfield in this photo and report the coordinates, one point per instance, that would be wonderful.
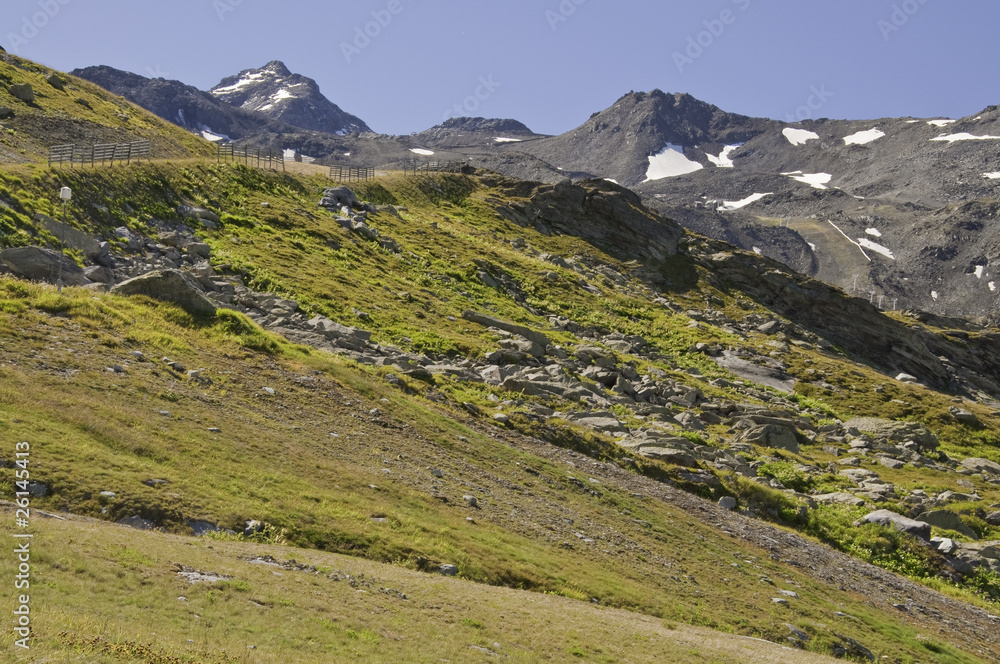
(422, 152)
(724, 160)
(670, 163)
(877, 248)
(729, 206)
(992, 176)
(864, 137)
(800, 136)
(874, 232)
(941, 123)
(501, 139)
(952, 138)
(815, 180)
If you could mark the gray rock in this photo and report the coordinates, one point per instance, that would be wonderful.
(489, 321)
(448, 570)
(137, 521)
(23, 92)
(906, 378)
(99, 274)
(169, 286)
(839, 498)
(770, 435)
(202, 528)
(189, 212)
(945, 545)
(727, 503)
(500, 418)
(963, 416)
(72, 238)
(898, 432)
(993, 519)
(948, 520)
(890, 463)
(6, 112)
(981, 466)
(899, 522)
(199, 249)
(338, 197)
(40, 264)
(56, 82)
(770, 327)
(471, 501)
(38, 489)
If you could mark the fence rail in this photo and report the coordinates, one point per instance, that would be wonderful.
(106, 153)
(249, 156)
(352, 174)
(415, 167)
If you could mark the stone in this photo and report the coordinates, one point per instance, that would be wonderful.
(137, 521)
(945, 545)
(38, 489)
(906, 378)
(489, 321)
(6, 112)
(993, 519)
(189, 212)
(199, 249)
(99, 274)
(770, 327)
(839, 498)
(500, 418)
(56, 82)
(170, 286)
(771, 435)
(338, 197)
(890, 463)
(39, 264)
(448, 570)
(963, 416)
(70, 237)
(202, 528)
(948, 520)
(901, 523)
(471, 501)
(23, 92)
(897, 432)
(727, 503)
(984, 466)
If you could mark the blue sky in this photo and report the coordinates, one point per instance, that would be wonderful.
(548, 63)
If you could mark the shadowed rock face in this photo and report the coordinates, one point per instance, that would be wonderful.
(170, 286)
(598, 211)
(38, 264)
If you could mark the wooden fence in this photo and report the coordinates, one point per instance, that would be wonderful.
(415, 167)
(105, 153)
(251, 157)
(351, 174)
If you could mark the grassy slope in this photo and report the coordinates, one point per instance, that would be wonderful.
(81, 113)
(275, 459)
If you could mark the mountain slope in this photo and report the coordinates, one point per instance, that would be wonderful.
(66, 109)
(276, 92)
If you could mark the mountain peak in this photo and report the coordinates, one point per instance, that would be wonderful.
(280, 94)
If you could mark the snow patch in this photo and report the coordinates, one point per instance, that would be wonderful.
(724, 160)
(811, 246)
(941, 123)
(815, 180)
(501, 139)
(992, 176)
(935, 295)
(612, 180)
(874, 232)
(757, 251)
(282, 94)
(993, 287)
(729, 206)
(670, 163)
(965, 136)
(210, 135)
(980, 270)
(877, 248)
(242, 83)
(800, 136)
(864, 137)
(422, 152)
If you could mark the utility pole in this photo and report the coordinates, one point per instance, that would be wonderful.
(65, 194)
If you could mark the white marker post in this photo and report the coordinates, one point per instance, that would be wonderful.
(65, 194)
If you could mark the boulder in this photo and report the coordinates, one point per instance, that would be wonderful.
(964, 416)
(898, 432)
(839, 498)
(99, 274)
(6, 112)
(137, 521)
(72, 238)
(489, 321)
(23, 92)
(981, 466)
(771, 435)
(189, 212)
(901, 523)
(40, 264)
(948, 520)
(170, 286)
(338, 197)
(56, 82)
